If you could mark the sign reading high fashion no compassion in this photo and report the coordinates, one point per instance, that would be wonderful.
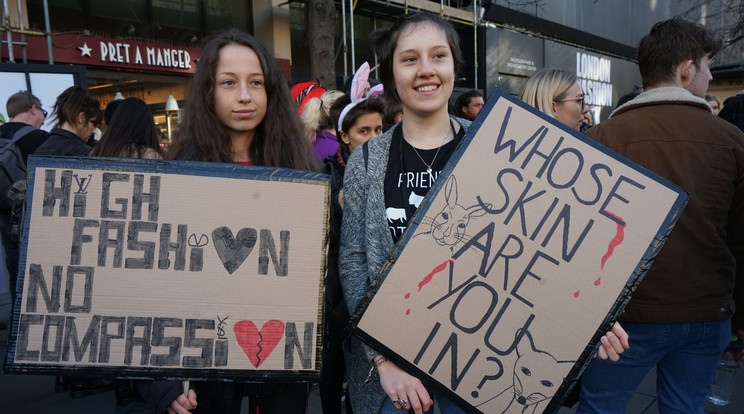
(170, 269)
(518, 260)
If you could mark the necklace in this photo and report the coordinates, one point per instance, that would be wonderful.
(428, 166)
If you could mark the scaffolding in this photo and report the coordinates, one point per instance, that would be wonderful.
(392, 8)
(10, 28)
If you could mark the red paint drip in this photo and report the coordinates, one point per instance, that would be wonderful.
(616, 240)
(598, 281)
(576, 294)
(408, 295)
(408, 311)
(436, 270)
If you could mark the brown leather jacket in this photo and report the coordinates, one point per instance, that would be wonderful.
(674, 134)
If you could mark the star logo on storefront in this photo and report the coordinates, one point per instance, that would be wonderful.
(85, 50)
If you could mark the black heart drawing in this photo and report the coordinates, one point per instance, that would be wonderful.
(233, 250)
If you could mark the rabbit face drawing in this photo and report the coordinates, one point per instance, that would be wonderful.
(448, 227)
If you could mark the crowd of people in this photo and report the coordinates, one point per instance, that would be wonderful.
(240, 110)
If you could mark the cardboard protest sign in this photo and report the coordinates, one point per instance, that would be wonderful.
(517, 261)
(170, 269)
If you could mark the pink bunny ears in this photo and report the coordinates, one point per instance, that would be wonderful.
(358, 84)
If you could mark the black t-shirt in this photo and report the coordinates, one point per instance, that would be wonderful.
(407, 180)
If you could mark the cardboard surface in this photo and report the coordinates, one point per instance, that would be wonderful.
(518, 260)
(170, 269)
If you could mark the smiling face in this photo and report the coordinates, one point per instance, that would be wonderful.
(239, 92)
(424, 70)
(569, 107)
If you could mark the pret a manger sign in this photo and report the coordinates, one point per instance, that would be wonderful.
(154, 268)
(520, 257)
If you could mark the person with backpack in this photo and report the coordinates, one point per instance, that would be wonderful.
(19, 137)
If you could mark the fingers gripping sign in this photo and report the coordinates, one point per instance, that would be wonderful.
(183, 404)
(406, 391)
(614, 343)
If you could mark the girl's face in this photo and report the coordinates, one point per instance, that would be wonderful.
(570, 108)
(365, 127)
(84, 127)
(239, 91)
(424, 70)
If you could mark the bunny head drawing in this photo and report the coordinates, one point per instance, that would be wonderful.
(448, 227)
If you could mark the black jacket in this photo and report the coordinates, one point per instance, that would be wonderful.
(63, 142)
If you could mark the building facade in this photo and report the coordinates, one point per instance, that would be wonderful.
(148, 48)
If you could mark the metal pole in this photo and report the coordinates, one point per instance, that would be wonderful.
(6, 13)
(476, 7)
(23, 36)
(47, 29)
(351, 13)
(343, 33)
(377, 64)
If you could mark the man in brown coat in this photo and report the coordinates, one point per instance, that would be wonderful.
(680, 318)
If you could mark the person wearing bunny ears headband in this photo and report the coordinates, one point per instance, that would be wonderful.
(362, 121)
(358, 91)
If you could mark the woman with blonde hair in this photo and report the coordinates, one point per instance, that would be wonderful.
(320, 125)
(558, 94)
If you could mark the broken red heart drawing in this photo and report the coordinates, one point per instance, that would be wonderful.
(258, 344)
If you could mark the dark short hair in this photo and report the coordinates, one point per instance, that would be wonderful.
(733, 110)
(670, 43)
(627, 98)
(20, 102)
(385, 41)
(72, 102)
(108, 113)
(393, 108)
(464, 100)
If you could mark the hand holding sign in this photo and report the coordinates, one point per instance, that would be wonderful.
(614, 343)
(184, 403)
(401, 386)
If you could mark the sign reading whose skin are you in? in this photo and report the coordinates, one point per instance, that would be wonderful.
(518, 260)
(170, 269)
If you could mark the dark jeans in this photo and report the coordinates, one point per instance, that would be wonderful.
(333, 370)
(11, 253)
(685, 357)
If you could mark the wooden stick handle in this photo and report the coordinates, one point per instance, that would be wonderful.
(186, 385)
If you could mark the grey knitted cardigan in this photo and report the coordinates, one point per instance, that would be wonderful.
(364, 247)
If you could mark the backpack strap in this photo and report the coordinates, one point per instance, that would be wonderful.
(365, 152)
(22, 133)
